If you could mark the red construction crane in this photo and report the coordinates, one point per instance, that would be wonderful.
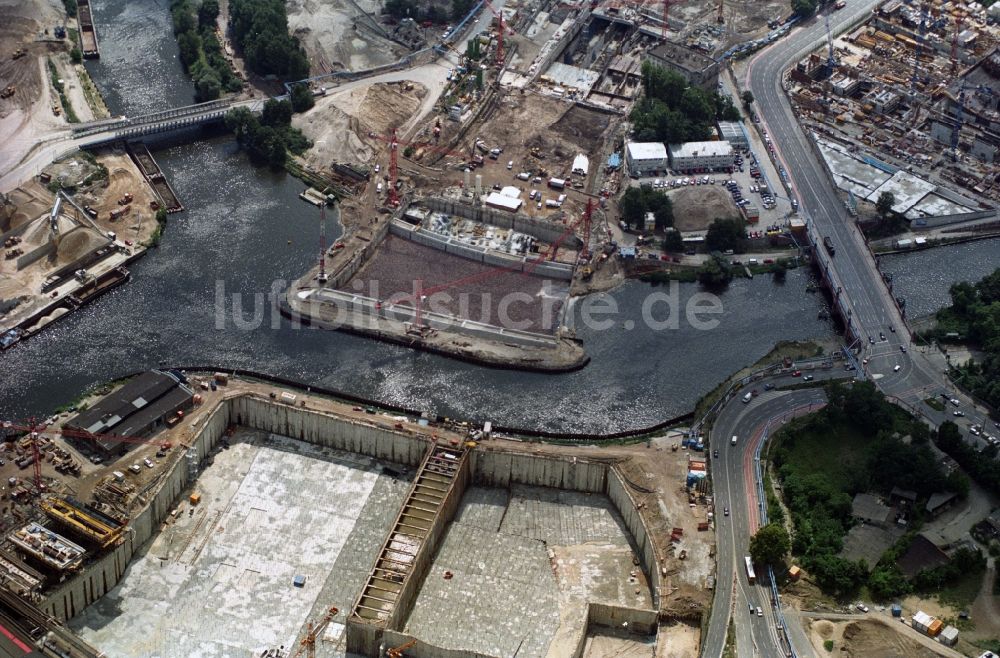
(501, 28)
(397, 652)
(308, 643)
(394, 147)
(959, 23)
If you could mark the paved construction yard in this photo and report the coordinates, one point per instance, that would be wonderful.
(516, 568)
(218, 583)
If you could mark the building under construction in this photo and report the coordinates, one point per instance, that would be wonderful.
(912, 86)
(47, 548)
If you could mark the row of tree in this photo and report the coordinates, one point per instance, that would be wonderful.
(974, 317)
(673, 111)
(260, 29)
(270, 138)
(200, 50)
(637, 201)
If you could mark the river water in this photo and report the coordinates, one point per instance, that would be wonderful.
(245, 228)
(924, 277)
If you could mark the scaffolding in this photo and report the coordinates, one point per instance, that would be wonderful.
(104, 532)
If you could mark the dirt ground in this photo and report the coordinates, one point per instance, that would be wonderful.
(607, 642)
(340, 122)
(559, 131)
(862, 639)
(677, 640)
(333, 39)
(696, 207)
(123, 178)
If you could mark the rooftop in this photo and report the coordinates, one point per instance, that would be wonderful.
(922, 554)
(647, 151)
(869, 508)
(700, 149)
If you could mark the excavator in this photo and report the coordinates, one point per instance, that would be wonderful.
(308, 644)
(397, 652)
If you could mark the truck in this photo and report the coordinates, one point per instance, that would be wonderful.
(828, 243)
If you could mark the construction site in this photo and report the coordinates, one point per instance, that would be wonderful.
(60, 251)
(904, 104)
(412, 533)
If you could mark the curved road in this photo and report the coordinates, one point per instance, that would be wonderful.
(734, 484)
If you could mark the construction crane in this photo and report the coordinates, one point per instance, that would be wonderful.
(308, 643)
(720, 16)
(959, 120)
(920, 46)
(501, 28)
(831, 59)
(397, 652)
(959, 23)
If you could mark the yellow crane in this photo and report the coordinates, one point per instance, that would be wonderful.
(398, 651)
(308, 644)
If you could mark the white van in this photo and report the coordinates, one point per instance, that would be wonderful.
(378, 188)
(732, 442)
(747, 397)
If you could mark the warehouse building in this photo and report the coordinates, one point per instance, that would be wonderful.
(144, 404)
(646, 158)
(699, 157)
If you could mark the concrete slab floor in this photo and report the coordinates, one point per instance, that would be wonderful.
(523, 563)
(217, 583)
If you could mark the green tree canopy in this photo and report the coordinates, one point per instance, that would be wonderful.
(804, 8)
(770, 545)
(302, 99)
(884, 204)
(726, 234)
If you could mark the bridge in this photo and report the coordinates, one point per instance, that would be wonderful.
(87, 135)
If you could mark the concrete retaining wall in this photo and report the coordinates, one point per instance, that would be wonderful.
(928, 223)
(346, 271)
(502, 469)
(95, 581)
(35, 254)
(640, 621)
(625, 504)
(542, 230)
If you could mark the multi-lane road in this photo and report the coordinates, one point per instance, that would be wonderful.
(891, 360)
(734, 486)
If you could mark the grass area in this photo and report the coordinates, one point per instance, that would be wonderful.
(729, 651)
(61, 90)
(934, 403)
(839, 452)
(961, 593)
(91, 93)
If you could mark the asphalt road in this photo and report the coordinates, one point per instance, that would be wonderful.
(734, 482)
(884, 338)
(890, 358)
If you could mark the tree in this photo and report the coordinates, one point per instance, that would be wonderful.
(276, 113)
(207, 86)
(779, 272)
(208, 13)
(302, 98)
(884, 205)
(75, 55)
(770, 545)
(715, 272)
(726, 234)
(673, 241)
(632, 207)
(71, 8)
(747, 98)
(804, 8)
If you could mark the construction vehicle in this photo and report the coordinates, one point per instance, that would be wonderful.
(19, 53)
(397, 652)
(308, 643)
(8, 91)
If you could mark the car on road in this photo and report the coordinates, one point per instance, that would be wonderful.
(871, 340)
(797, 373)
(958, 414)
(807, 378)
(862, 607)
(954, 402)
(760, 613)
(148, 463)
(892, 329)
(902, 348)
(881, 336)
(726, 511)
(715, 453)
(896, 368)
(769, 386)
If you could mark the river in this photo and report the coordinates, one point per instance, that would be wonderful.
(245, 228)
(924, 277)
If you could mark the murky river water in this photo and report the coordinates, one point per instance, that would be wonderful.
(245, 228)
